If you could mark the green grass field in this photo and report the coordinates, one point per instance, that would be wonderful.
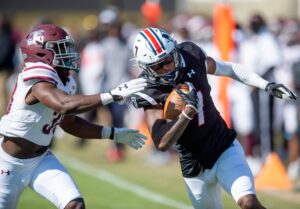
(132, 183)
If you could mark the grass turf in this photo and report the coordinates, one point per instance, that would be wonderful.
(165, 180)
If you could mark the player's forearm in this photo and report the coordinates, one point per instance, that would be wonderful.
(81, 128)
(77, 104)
(168, 133)
(237, 72)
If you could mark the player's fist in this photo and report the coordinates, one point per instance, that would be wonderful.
(190, 97)
(279, 91)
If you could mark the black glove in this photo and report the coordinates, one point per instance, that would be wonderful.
(279, 90)
(190, 98)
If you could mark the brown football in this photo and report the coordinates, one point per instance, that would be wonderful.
(174, 103)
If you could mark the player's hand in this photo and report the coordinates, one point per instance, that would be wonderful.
(125, 90)
(190, 97)
(279, 91)
(132, 138)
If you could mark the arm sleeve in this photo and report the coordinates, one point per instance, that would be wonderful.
(237, 72)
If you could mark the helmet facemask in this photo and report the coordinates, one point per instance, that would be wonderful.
(153, 49)
(169, 77)
(65, 55)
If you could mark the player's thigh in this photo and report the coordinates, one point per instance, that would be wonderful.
(11, 186)
(204, 191)
(52, 181)
(11, 182)
(233, 172)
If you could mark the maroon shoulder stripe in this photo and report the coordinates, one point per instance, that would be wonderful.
(42, 78)
(39, 67)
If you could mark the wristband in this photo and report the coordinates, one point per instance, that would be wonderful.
(268, 85)
(106, 132)
(106, 98)
(192, 106)
(186, 116)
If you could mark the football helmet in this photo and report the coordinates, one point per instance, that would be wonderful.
(52, 45)
(153, 48)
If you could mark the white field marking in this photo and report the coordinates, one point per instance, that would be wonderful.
(122, 184)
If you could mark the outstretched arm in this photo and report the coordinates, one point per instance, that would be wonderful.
(49, 95)
(237, 72)
(79, 127)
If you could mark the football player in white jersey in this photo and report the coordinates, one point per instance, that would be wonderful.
(43, 98)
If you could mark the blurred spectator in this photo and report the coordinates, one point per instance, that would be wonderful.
(91, 72)
(242, 109)
(8, 41)
(292, 110)
(260, 53)
(116, 56)
(179, 26)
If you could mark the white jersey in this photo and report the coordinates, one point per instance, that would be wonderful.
(36, 122)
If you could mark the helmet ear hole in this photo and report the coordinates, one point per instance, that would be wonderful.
(40, 55)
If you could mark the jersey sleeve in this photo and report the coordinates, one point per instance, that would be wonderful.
(36, 73)
(151, 96)
(194, 50)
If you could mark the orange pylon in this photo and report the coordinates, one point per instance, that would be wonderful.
(273, 175)
(224, 25)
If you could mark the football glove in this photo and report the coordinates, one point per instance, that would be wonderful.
(132, 138)
(125, 90)
(279, 91)
(190, 98)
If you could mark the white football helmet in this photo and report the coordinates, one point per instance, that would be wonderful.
(152, 47)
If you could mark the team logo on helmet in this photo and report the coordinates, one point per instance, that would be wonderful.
(36, 38)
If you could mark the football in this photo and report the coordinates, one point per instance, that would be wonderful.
(174, 103)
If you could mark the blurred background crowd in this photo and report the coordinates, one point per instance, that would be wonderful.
(265, 39)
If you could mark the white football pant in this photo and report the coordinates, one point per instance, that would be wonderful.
(231, 172)
(43, 174)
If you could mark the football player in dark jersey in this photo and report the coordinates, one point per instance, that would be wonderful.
(210, 155)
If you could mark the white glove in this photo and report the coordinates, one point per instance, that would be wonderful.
(123, 91)
(132, 138)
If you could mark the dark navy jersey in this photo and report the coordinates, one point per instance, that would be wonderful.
(207, 135)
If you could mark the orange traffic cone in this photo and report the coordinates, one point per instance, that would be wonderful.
(273, 175)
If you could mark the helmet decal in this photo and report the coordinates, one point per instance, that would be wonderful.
(36, 38)
(153, 41)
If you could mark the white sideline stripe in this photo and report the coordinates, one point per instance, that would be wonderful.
(122, 184)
